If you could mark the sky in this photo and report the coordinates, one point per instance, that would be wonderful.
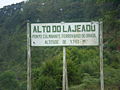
(9, 2)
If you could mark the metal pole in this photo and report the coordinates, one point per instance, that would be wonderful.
(101, 55)
(65, 80)
(28, 58)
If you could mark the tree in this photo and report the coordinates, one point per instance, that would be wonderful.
(8, 81)
(46, 83)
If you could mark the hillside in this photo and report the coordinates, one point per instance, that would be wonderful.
(83, 62)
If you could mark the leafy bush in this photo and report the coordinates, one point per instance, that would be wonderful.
(46, 83)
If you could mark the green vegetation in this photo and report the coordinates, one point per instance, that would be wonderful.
(82, 62)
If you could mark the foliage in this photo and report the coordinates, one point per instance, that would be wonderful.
(8, 81)
(45, 83)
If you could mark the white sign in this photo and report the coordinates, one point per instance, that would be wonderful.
(65, 34)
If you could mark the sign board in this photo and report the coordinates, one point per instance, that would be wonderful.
(65, 34)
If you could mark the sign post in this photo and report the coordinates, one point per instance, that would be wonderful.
(28, 58)
(101, 55)
(64, 34)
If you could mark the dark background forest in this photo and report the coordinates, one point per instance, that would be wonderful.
(83, 62)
